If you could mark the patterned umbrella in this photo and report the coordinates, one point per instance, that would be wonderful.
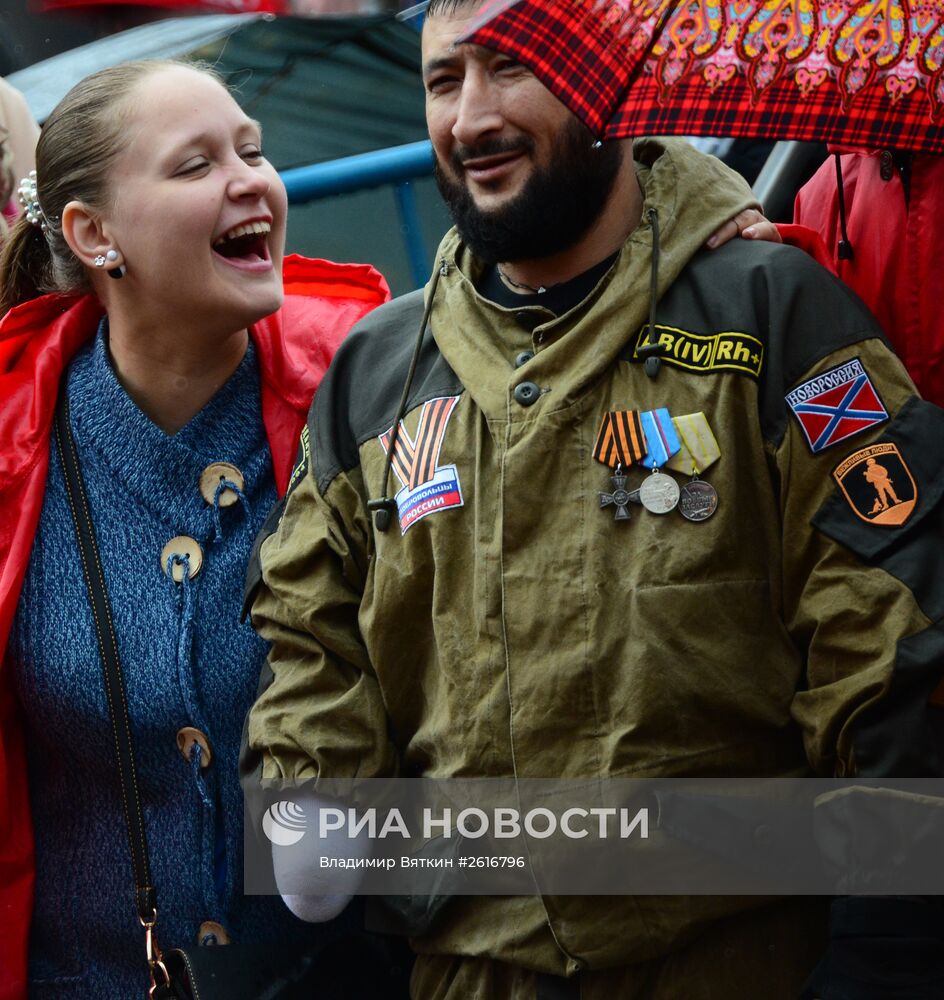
(864, 74)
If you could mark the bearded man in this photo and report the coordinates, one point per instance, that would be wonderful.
(514, 612)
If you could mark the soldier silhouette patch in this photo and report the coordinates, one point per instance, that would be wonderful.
(878, 485)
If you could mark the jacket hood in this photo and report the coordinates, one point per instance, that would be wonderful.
(692, 195)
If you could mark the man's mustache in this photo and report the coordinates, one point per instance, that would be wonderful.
(489, 147)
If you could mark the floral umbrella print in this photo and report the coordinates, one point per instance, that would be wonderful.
(853, 73)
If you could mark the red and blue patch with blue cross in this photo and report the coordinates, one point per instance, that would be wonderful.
(836, 404)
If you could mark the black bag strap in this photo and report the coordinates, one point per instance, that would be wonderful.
(145, 894)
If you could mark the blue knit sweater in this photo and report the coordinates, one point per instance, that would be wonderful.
(187, 661)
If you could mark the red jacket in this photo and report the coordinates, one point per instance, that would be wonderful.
(898, 246)
(37, 341)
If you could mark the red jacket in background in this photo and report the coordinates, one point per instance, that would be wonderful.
(37, 340)
(898, 249)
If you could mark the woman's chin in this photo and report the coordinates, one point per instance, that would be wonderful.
(266, 305)
(260, 296)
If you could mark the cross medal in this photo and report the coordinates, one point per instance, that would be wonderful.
(620, 498)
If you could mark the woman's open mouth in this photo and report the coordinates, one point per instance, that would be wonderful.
(245, 246)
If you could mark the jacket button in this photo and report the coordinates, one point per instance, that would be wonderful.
(523, 358)
(187, 737)
(527, 393)
(182, 546)
(886, 165)
(211, 933)
(213, 475)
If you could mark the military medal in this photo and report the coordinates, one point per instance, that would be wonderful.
(619, 498)
(620, 442)
(698, 499)
(659, 493)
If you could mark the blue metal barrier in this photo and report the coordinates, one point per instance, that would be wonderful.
(397, 165)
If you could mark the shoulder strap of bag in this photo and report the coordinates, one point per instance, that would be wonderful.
(145, 895)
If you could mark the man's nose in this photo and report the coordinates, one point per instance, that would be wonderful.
(479, 112)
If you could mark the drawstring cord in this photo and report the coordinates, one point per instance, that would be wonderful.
(227, 484)
(845, 247)
(652, 348)
(196, 753)
(653, 216)
(184, 677)
(384, 506)
(215, 887)
(185, 635)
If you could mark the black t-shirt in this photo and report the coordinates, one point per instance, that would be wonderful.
(558, 299)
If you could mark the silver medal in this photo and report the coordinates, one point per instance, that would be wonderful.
(659, 493)
(698, 500)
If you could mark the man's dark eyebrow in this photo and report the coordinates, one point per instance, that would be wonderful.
(443, 62)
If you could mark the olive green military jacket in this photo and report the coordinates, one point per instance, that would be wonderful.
(508, 625)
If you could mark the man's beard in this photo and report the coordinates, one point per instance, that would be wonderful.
(556, 207)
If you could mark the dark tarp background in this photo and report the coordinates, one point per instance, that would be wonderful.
(322, 88)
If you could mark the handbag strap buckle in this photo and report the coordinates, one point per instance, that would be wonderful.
(155, 960)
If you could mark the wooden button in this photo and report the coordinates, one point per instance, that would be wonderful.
(186, 738)
(211, 933)
(210, 480)
(182, 545)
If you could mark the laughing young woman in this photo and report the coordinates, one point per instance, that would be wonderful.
(145, 285)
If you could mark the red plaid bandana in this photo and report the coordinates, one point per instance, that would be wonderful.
(585, 52)
(864, 74)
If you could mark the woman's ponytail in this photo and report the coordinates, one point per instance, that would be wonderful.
(25, 265)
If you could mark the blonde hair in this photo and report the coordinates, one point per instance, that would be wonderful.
(74, 159)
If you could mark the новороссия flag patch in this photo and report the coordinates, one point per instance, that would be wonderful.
(836, 404)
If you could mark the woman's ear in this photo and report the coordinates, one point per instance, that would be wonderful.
(82, 230)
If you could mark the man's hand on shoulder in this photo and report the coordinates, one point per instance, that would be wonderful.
(749, 225)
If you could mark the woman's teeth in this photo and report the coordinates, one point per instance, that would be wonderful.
(249, 229)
